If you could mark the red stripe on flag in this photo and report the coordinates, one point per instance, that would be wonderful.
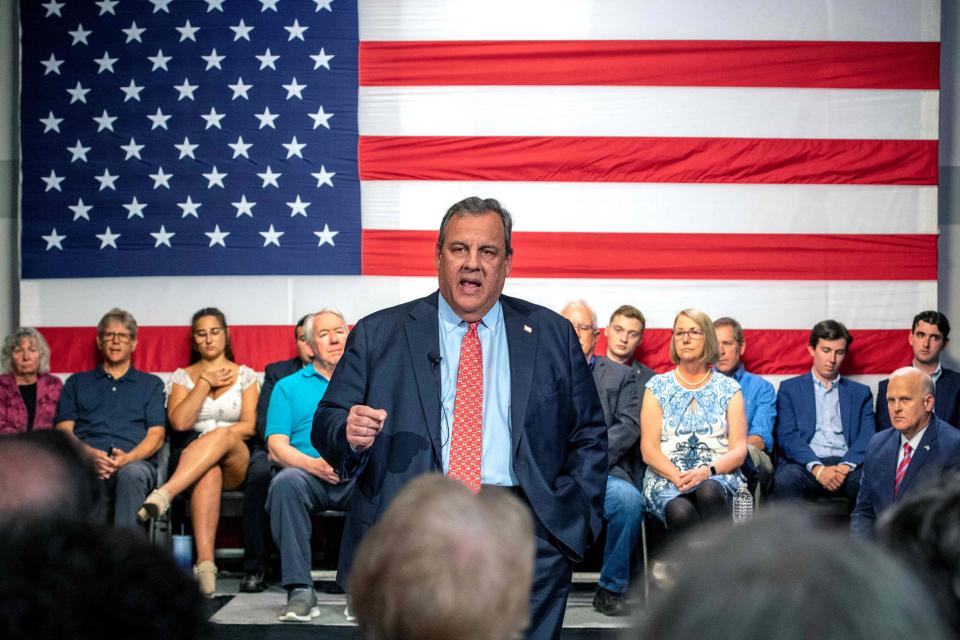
(772, 351)
(676, 160)
(677, 255)
(162, 348)
(716, 63)
(784, 351)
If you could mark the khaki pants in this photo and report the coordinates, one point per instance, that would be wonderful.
(764, 467)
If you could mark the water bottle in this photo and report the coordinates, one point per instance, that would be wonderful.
(183, 552)
(742, 504)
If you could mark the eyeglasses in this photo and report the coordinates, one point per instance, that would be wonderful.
(110, 336)
(693, 334)
(203, 333)
(583, 328)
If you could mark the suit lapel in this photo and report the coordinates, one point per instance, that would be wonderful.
(846, 420)
(599, 371)
(808, 409)
(926, 449)
(522, 339)
(887, 458)
(423, 338)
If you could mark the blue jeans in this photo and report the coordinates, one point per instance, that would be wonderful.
(623, 512)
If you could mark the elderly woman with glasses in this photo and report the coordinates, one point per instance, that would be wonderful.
(28, 393)
(213, 406)
(693, 430)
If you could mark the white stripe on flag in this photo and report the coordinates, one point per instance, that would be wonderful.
(662, 208)
(838, 20)
(713, 112)
(279, 300)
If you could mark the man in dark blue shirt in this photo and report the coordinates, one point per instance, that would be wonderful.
(117, 413)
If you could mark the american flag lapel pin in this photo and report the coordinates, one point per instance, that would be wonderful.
(527, 328)
(926, 447)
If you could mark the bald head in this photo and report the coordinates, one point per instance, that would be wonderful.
(910, 399)
(584, 321)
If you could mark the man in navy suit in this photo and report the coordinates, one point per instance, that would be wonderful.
(390, 413)
(824, 422)
(919, 450)
(256, 520)
(929, 336)
(623, 505)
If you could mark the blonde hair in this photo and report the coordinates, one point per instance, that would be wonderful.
(711, 349)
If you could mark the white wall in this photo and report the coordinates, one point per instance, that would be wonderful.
(949, 277)
(9, 155)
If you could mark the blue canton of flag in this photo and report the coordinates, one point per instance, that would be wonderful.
(189, 137)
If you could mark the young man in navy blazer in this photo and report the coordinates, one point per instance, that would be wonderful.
(824, 422)
(389, 414)
(919, 450)
(929, 336)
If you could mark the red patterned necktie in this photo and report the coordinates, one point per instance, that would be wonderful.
(466, 442)
(902, 468)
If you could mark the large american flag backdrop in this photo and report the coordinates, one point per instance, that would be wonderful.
(776, 162)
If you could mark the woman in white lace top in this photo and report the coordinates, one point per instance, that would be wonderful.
(215, 400)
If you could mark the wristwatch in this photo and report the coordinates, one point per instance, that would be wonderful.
(713, 470)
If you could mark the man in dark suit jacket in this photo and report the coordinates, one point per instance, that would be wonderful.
(929, 336)
(390, 414)
(256, 520)
(919, 450)
(824, 422)
(619, 391)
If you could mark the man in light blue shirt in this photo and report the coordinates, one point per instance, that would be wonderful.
(759, 399)
(306, 483)
(495, 465)
(824, 422)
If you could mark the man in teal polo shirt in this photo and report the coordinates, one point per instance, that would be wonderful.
(305, 483)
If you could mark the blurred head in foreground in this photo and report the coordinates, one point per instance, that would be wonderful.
(445, 563)
(45, 475)
(780, 577)
(78, 581)
(925, 531)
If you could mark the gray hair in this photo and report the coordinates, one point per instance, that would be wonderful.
(476, 206)
(14, 339)
(118, 315)
(308, 323)
(582, 304)
(927, 385)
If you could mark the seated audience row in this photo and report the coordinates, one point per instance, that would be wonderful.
(692, 419)
(697, 426)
